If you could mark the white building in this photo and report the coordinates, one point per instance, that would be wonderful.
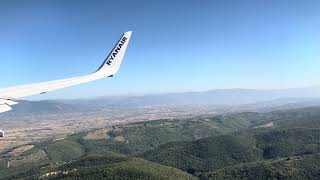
(1, 133)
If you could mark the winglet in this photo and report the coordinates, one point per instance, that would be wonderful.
(112, 63)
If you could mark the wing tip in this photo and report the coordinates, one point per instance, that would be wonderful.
(127, 34)
(124, 39)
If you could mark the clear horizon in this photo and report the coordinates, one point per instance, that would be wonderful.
(178, 46)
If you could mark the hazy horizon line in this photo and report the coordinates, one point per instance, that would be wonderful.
(172, 92)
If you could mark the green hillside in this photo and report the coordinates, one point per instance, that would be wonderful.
(104, 168)
(143, 136)
(295, 167)
(281, 144)
(59, 151)
(126, 168)
(288, 142)
(221, 151)
(206, 154)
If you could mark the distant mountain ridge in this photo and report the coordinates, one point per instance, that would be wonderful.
(212, 97)
(231, 99)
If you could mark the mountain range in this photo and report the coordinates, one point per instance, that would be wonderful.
(228, 100)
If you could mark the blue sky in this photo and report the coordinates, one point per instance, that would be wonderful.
(177, 46)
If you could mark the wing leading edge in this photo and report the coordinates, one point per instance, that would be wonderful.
(109, 67)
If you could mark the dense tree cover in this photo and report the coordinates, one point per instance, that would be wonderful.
(206, 154)
(144, 136)
(221, 151)
(288, 142)
(292, 167)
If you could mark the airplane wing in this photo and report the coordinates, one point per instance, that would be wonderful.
(108, 68)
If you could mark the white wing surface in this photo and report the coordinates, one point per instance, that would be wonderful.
(109, 67)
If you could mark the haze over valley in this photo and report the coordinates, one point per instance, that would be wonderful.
(37, 121)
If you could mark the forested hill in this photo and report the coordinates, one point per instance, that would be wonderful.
(213, 153)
